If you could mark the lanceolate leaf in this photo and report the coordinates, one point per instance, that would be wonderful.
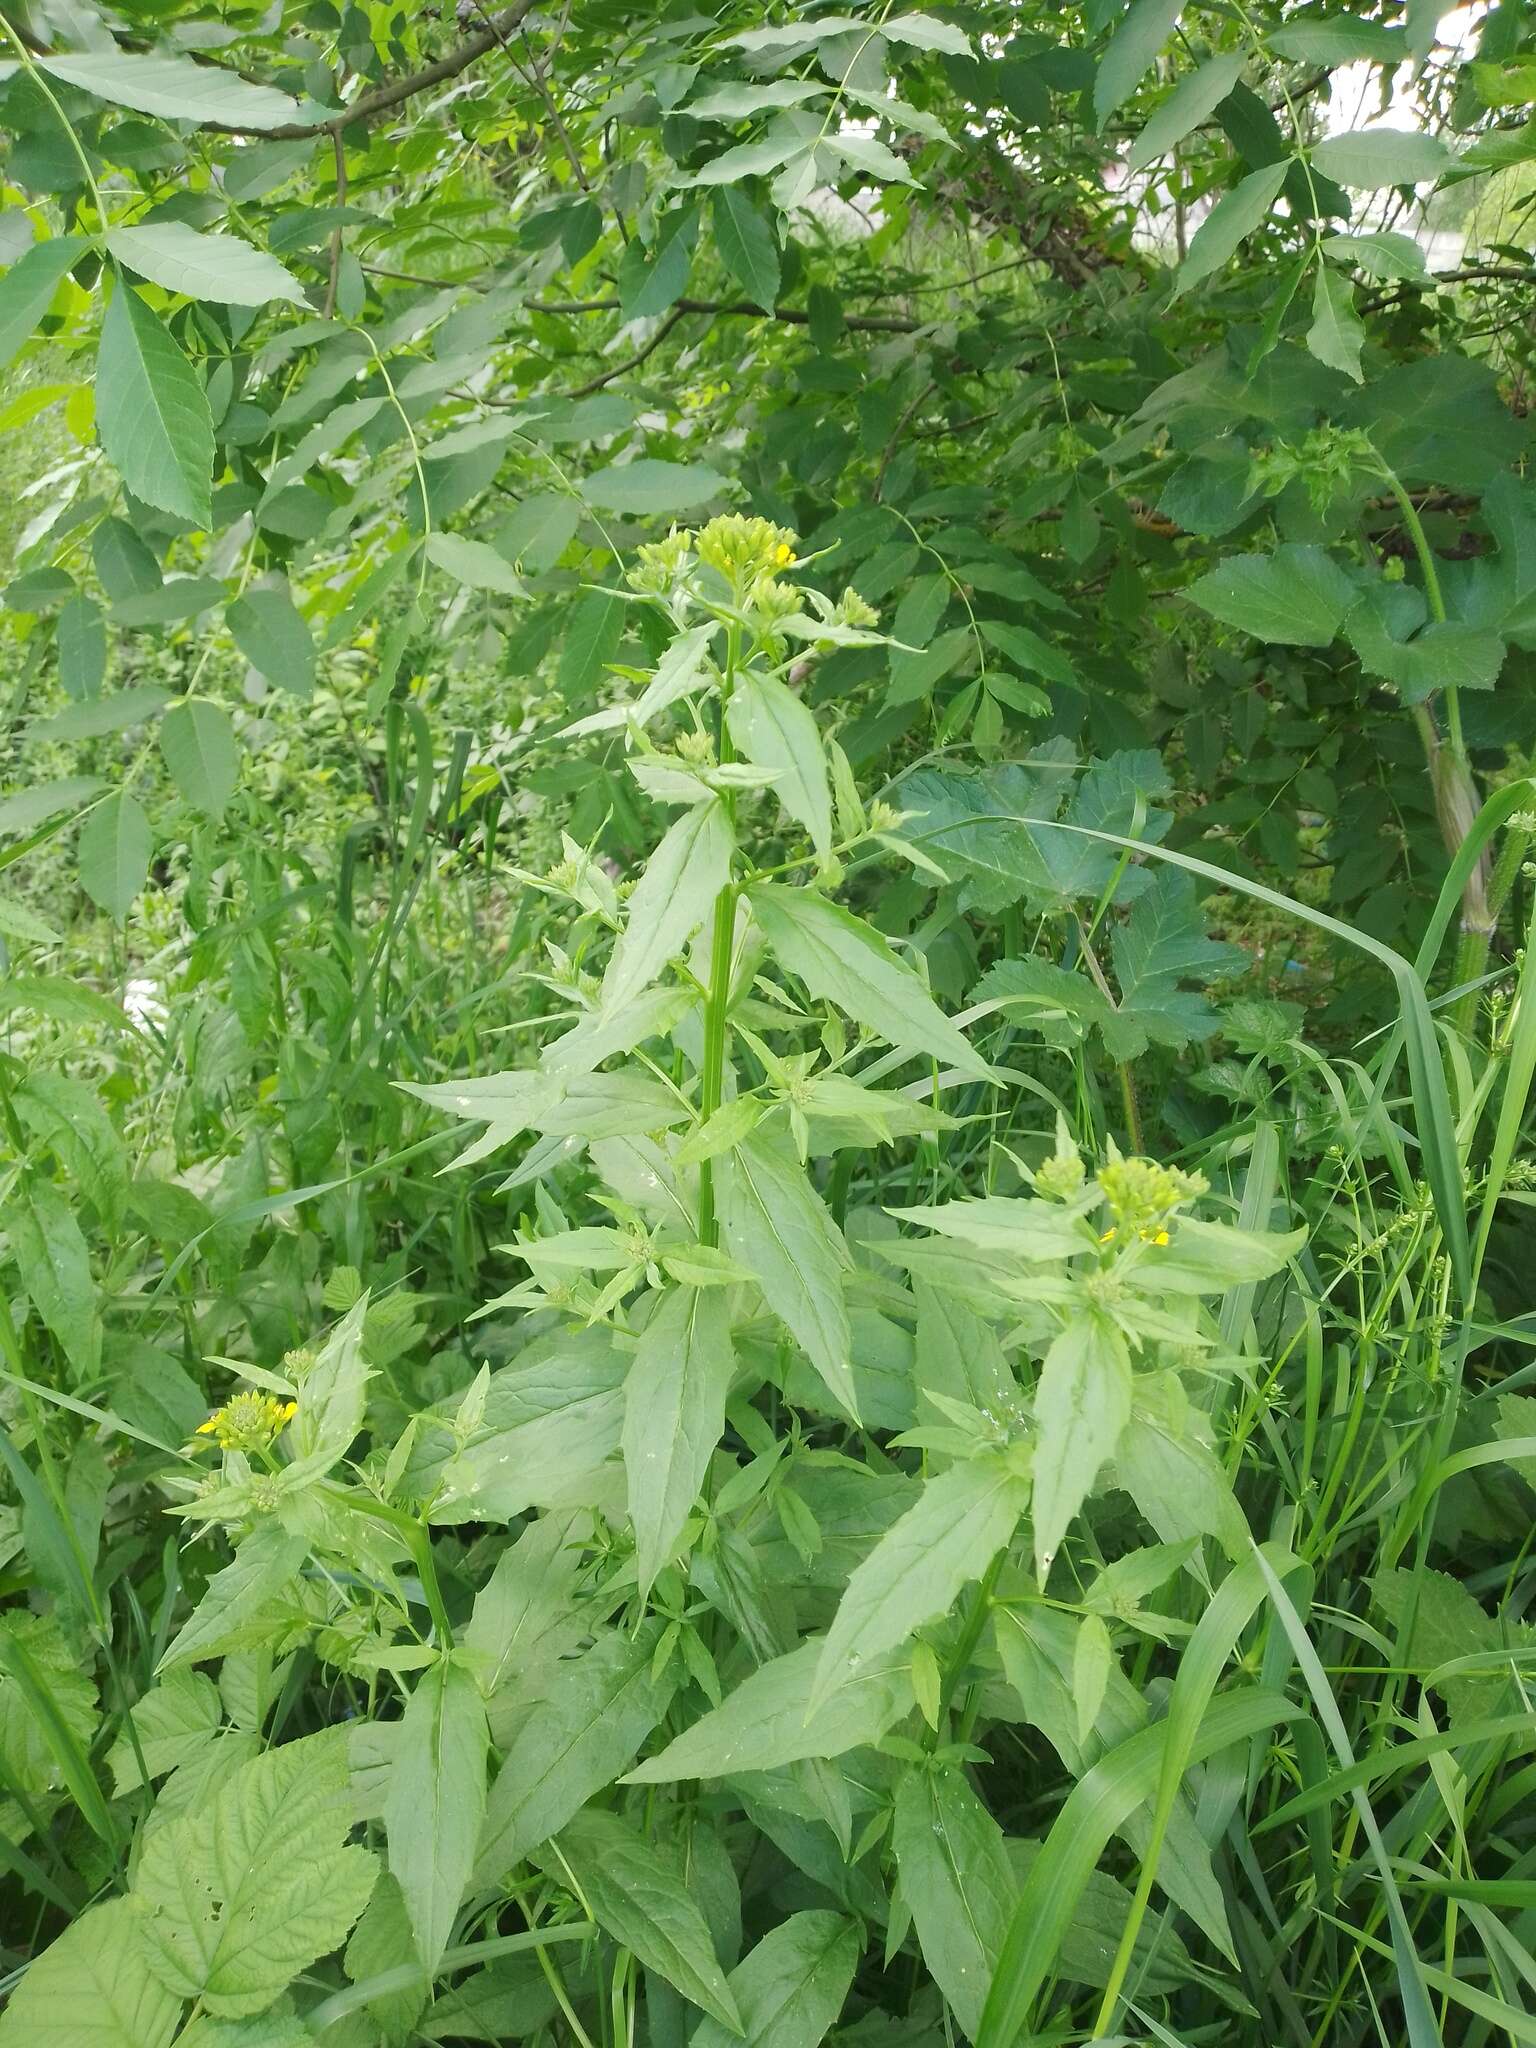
(746, 245)
(1082, 1405)
(177, 88)
(27, 289)
(671, 900)
(435, 1802)
(773, 728)
(790, 1989)
(200, 749)
(221, 268)
(151, 411)
(115, 846)
(956, 1881)
(674, 1412)
(1135, 43)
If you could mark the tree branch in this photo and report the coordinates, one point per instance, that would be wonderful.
(383, 97)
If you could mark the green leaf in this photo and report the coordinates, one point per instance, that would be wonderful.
(176, 88)
(82, 642)
(1379, 254)
(920, 1566)
(436, 1802)
(27, 289)
(1308, 38)
(674, 1415)
(151, 412)
(1162, 944)
(173, 1722)
(91, 1988)
(790, 1989)
(42, 1683)
(773, 729)
(843, 960)
(1296, 597)
(270, 632)
(1133, 48)
(677, 891)
(593, 1715)
(1336, 336)
(33, 807)
(1192, 101)
(923, 32)
(1172, 1476)
(115, 848)
(267, 1560)
(198, 741)
(1082, 1405)
(97, 716)
(956, 1881)
(220, 268)
(635, 1888)
(649, 485)
(746, 244)
(1371, 157)
(778, 1228)
(769, 1721)
(1230, 222)
(474, 564)
(236, 1899)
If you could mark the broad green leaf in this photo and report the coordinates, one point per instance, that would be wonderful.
(1141, 34)
(177, 88)
(1192, 101)
(33, 807)
(236, 1899)
(1030, 1231)
(1381, 253)
(778, 1228)
(920, 1566)
(473, 563)
(649, 485)
(221, 268)
(956, 1881)
(924, 32)
(27, 289)
(97, 716)
(674, 1415)
(436, 1802)
(526, 1612)
(739, 102)
(1172, 1476)
(18, 922)
(1313, 38)
(1370, 157)
(1336, 336)
(634, 1886)
(959, 1356)
(29, 1752)
(1211, 1258)
(594, 1713)
(1082, 1405)
(1296, 597)
(334, 1395)
(150, 409)
(677, 891)
(773, 729)
(198, 741)
(266, 1561)
(172, 1722)
(790, 1989)
(383, 1942)
(1092, 1656)
(82, 640)
(115, 848)
(92, 1988)
(1230, 222)
(768, 1721)
(1161, 945)
(843, 960)
(746, 244)
(270, 632)
(126, 567)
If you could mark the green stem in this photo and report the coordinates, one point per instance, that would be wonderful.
(416, 1538)
(47, 92)
(718, 995)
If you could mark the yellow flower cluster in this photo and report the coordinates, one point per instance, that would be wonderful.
(1142, 1196)
(248, 1422)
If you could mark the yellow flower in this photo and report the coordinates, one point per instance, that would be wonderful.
(783, 554)
(248, 1422)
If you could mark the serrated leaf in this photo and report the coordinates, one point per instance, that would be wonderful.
(151, 413)
(265, 1562)
(845, 961)
(221, 268)
(177, 88)
(956, 1881)
(918, 1569)
(746, 244)
(1342, 40)
(1132, 50)
(82, 642)
(778, 1228)
(92, 1988)
(923, 32)
(172, 1722)
(790, 1989)
(234, 1900)
(674, 1414)
(1230, 222)
(1370, 157)
(1082, 1404)
(436, 1802)
(198, 741)
(768, 1721)
(1379, 254)
(27, 289)
(115, 848)
(772, 728)
(635, 1889)
(270, 632)
(1336, 336)
(1192, 100)
(1296, 597)
(677, 891)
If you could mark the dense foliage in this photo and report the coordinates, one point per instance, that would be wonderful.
(767, 1268)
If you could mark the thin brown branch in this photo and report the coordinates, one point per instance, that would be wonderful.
(634, 361)
(334, 280)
